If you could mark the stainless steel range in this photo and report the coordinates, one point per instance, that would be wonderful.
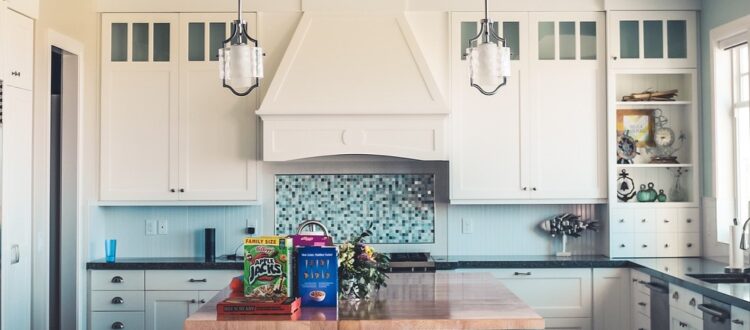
(412, 262)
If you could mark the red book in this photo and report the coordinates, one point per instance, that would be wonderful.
(255, 306)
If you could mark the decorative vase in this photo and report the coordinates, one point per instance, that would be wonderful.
(643, 194)
(678, 192)
(662, 196)
(564, 252)
(652, 194)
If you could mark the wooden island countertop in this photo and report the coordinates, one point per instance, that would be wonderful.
(411, 301)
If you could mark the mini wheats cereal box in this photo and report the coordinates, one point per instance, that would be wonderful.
(318, 275)
(268, 261)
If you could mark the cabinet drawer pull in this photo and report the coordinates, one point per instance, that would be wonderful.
(182, 190)
(675, 295)
(117, 279)
(642, 304)
(118, 300)
(666, 221)
(683, 324)
(692, 302)
(118, 325)
(525, 188)
(622, 220)
(666, 245)
(622, 245)
(643, 220)
(534, 189)
(522, 274)
(689, 220)
(192, 301)
(172, 190)
(202, 301)
(689, 245)
(738, 321)
(192, 280)
(644, 245)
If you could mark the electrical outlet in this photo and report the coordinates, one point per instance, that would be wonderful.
(151, 227)
(163, 227)
(467, 226)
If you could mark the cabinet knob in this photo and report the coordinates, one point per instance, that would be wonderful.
(622, 220)
(172, 190)
(683, 324)
(666, 221)
(614, 58)
(525, 188)
(689, 220)
(689, 245)
(644, 245)
(118, 325)
(675, 295)
(117, 279)
(692, 302)
(192, 301)
(738, 321)
(182, 190)
(666, 245)
(118, 300)
(643, 220)
(622, 245)
(534, 189)
(202, 301)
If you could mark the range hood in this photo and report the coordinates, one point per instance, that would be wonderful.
(353, 82)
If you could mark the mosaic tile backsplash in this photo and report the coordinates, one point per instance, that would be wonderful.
(400, 206)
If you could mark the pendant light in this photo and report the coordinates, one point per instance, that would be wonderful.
(240, 63)
(489, 58)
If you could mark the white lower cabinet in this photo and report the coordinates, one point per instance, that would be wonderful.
(611, 297)
(151, 299)
(679, 320)
(641, 322)
(740, 319)
(568, 324)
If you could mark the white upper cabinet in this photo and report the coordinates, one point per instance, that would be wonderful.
(29, 8)
(488, 155)
(567, 96)
(18, 49)
(540, 139)
(139, 107)
(218, 156)
(170, 131)
(655, 39)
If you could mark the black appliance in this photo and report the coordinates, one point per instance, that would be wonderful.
(659, 303)
(210, 248)
(716, 315)
(412, 262)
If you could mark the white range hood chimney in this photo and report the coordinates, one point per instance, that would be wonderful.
(354, 82)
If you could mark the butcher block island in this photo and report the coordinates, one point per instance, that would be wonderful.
(411, 301)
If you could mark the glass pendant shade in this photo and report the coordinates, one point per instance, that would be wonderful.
(489, 64)
(240, 65)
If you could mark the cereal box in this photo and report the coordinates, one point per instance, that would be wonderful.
(268, 263)
(318, 276)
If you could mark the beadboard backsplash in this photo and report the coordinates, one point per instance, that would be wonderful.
(400, 207)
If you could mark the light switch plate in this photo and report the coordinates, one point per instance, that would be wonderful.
(467, 226)
(151, 227)
(163, 227)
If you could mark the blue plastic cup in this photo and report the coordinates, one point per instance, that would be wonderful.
(110, 249)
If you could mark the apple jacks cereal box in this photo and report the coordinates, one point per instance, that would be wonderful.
(268, 271)
(318, 276)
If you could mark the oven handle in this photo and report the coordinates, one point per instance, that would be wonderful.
(716, 313)
(655, 287)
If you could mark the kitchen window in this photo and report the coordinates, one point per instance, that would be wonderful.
(731, 124)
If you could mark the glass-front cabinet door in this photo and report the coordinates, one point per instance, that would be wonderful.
(650, 39)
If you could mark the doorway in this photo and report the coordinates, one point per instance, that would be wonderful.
(63, 188)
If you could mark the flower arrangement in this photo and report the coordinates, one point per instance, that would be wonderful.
(361, 269)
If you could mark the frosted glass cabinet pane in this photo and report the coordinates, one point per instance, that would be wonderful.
(653, 39)
(119, 42)
(629, 35)
(468, 31)
(588, 40)
(140, 42)
(511, 34)
(677, 39)
(217, 35)
(161, 42)
(196, 42)
(546, 40)
(567, 40)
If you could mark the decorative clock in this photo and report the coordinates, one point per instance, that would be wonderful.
(664, 141)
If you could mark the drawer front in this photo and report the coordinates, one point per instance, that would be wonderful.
(667, 245)
(551, 292)
(641, 322)
(685, 300)
(682, 320)
(131, 301)
(117, 280)
(637, 280)
(622, 221)
(644, 221)
(690, 244)
(621, 245)
(189, 280)
(666, 221)
(111, 320)
(644, 245)
(642, 303)
(740, 319)
(689, 220)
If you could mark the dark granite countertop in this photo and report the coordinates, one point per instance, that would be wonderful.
(672, 270)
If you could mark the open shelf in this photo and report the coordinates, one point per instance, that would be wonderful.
(655, 205)
(652, 103)
(653, 165)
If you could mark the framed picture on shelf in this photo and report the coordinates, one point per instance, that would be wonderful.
(639, 123)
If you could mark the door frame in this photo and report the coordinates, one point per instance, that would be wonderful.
(41, 179)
